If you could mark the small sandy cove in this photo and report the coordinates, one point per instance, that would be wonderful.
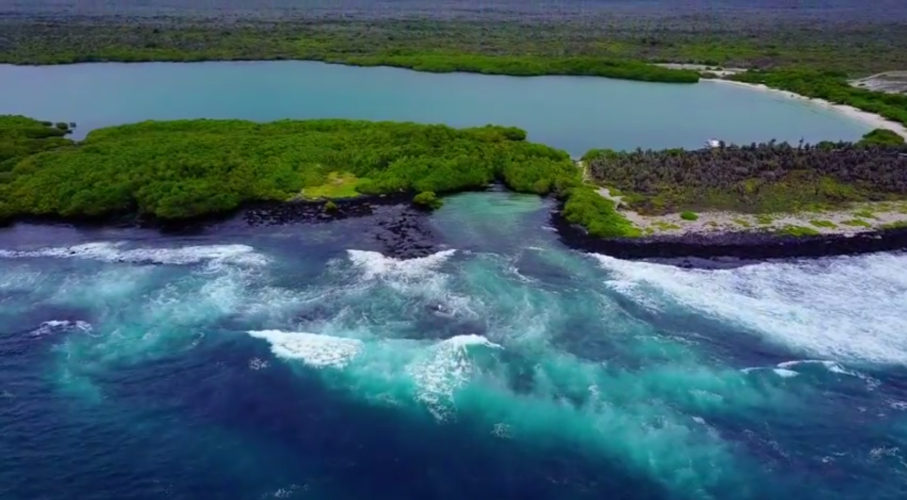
(871, 119)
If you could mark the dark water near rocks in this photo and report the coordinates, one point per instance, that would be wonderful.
(300, 361)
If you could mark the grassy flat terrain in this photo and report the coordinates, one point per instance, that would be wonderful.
(337, 185)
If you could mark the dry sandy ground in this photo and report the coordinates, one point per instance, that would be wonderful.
(718, 71)
(856, 218)
(893, 82)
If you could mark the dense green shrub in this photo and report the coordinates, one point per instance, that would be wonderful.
(21, 136)
(587, 208)
(881, 137)
(427, 199)
(188, 168)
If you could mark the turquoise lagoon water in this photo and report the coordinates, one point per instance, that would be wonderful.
(304, 361)
(571, 113)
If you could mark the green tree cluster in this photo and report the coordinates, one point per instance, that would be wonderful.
(21, 136)
(881, 137)
(182, 169)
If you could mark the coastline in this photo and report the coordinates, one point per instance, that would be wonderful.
(403, 233)
(743, 246)
(872, 119)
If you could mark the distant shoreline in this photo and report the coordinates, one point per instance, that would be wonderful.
(872, 119)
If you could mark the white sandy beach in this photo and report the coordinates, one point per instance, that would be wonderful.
(871, 119)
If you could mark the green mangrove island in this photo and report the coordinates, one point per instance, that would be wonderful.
(178, 170)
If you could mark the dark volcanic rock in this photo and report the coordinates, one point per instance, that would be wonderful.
(399, 227)
(741, 245)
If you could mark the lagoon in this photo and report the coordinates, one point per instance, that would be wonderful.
(569, 112)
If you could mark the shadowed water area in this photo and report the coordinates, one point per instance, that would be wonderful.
(300, 361)
(572, 113)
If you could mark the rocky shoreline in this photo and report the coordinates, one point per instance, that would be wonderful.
(401, 230)
(739, 245)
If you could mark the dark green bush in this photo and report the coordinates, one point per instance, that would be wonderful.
(587, 208)
(881, 137)
(428, 200)
(188, 168)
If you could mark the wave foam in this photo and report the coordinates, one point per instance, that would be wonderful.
(375, 264)
(318, 351)
(447, 368)
(115, 252)
(846, 308)
(57, 325)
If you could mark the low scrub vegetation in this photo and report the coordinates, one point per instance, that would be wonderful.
(181, 169)
(762, 178)
(587, 208)
(21, 136)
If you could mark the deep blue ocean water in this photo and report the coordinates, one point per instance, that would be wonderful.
(298, 361)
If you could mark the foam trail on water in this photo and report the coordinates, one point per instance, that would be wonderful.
(117, 252)
(845, 308)
(425, 372)
(318, 351)
(375, 265)
(57, 325)
(781, 372)
(447, 368)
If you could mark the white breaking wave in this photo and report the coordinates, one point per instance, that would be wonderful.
(829, 365)
(318, 351)
(116, 252)
(429, 372)
(447, 368)
(57, 325)
(783, 373)
(845, 308)
(375, 265)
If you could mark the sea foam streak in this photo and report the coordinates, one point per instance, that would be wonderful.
(447, 368)
(425, 372)
(374, 264)
(846, 308)
(57, 325)
(116, 252)
(318, 351)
